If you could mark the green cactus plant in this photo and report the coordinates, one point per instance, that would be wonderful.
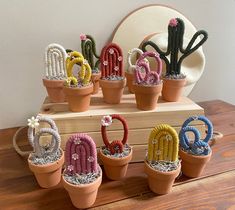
(88, 47)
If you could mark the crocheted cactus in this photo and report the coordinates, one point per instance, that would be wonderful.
(129, 58)
(163, 144)
(197, 147)
(80, 155)
(115, 146)
(54, 146)
(88, 47)
(111, 61)
(175, 46)
(150, 77)
(85, 71)
(55, 57)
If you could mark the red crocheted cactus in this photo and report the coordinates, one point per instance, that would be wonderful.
(80, 155)
(111, 61)
(115, 146)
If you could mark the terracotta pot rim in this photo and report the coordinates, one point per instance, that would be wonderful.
(147, 86)
(82, 186)
(53, 83)
(162, 172)
(79, 88)
(96, 74)
(116, 161)
(196, 156)
(49, 166)
(54, 80)
(172, 79)
(112, 81)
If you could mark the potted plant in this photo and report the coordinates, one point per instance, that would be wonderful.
(46, 160)
(130, 70)
(82, 175)
(55, 57)
(174, 80)
(78, 90)
(88, 47)
(195, 154)
(162, 164)
(148, 85)
(112, 80)
(116, 155)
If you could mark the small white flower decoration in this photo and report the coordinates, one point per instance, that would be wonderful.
(75, 156)
(85, 61)
(77, 141)
(33, 122)
(154, 141)
(105, 63)
(120, 58)
(129, 52)
(106, 120)
(116, 68)
(158, 152)
(90, 159)
(168, 137)
(111, 51)
(70, 167)
(195, 117)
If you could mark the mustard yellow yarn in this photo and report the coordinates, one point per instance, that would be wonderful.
(163, 144)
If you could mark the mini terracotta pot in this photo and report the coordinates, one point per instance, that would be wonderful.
(78, 98)
(161, 182)
(112, 90)
(193, 165)
(115, 168)
(129, 78)
(147, 96)
(95, 80)
(84, 195)
(172, 89)
(47, 175)
(55, 90)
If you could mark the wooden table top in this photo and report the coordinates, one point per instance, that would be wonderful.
(215, 189)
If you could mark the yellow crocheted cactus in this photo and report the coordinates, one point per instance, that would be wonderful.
(71, 81)
(85, 71)
(163, 144)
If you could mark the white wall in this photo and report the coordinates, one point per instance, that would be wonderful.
(28, 26)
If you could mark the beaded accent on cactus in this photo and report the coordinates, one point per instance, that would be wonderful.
(80, 155)
(197, 147)
(55, 57)
(149, 77)
(175, 46)
(163, 144)
(88, 47)
(84, 75)
(117, 145)
(111, 62)
(39, 150)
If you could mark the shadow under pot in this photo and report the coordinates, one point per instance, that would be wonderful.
(55, 90)
(129, 78)
(115, 167)
(147, 96)
(95, 77)
(161, 182)
(47, 175)
(112, 90)
(172, 89)
(83, 195)
(193, 165)
(79, 97)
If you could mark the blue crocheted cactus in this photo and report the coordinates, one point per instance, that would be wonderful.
(198, 146)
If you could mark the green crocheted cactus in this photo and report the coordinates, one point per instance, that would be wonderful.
(175, 46)
(88, 47)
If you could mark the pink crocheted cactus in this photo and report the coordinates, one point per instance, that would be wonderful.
(111, 61)
(149, 77)
(80, 155)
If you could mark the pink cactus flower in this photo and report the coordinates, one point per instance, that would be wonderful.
(173, 22)
(83, 37)
(75, 156)
(111, 51)
(70, 167)
(106, 120)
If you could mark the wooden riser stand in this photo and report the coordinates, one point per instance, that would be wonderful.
(140, 123)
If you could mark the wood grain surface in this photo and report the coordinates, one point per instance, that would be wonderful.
(215, 189)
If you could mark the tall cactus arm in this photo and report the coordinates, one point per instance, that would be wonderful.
(85, 73)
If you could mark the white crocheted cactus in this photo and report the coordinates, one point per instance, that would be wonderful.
(55, 59)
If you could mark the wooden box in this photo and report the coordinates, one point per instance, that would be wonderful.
(140, 123)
